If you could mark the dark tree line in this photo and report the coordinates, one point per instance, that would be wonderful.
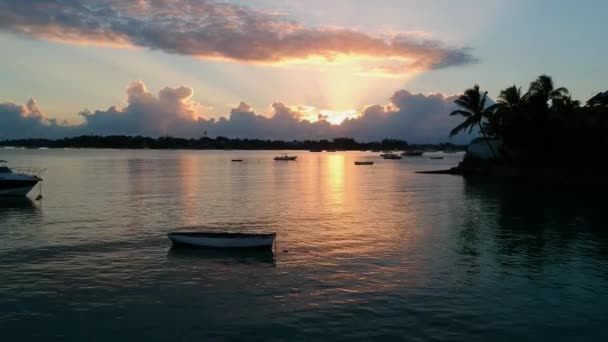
(541, 127)
(140, 142)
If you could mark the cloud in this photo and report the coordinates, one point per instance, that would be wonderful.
(171, 112)
(220, 30)
(417, 118)
(28, 121)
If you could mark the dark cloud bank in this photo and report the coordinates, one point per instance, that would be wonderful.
(416, 118)
(217, 30)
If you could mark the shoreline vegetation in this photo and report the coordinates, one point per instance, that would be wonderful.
(222, 143)
(542, 136)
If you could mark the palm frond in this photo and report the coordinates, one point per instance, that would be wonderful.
(464, 125)
(464, 113)
(482, 102)
(463, 103)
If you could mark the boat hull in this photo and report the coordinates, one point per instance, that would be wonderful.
(16, 188)
(223, 240)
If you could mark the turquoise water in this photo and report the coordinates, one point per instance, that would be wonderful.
(364, 253)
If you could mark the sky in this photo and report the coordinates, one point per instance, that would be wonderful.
(281, 69)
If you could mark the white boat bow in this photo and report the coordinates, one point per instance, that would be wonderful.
(18, 181)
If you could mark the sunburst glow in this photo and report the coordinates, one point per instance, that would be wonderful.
(337, 117)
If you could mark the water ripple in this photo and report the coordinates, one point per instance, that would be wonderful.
(375, 253)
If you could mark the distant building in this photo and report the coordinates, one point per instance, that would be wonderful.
(480, 150)
(599, 100)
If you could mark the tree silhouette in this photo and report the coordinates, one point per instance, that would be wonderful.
(473, 109)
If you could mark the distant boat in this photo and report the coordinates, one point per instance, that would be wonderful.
(391, 156)
(435, 157)
(285, 158)
(223, 240)
(316, 150)
(412, 153)
(18, 181)
(237, 160)
(385, 152)
(364, 163)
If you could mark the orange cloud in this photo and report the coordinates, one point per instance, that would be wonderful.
(219, 30)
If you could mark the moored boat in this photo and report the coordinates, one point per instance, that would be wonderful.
(18, 181)
(364, 163)
(412, 153)
(223, 240)
(391, 156)
(285, 158)
(237, 160)
(438, 157)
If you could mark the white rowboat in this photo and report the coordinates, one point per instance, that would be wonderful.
(223, 240)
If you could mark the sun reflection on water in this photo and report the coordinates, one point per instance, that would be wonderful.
(335, 179)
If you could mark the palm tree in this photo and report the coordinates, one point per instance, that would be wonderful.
(506, 110)
(565, 103)
(541, 91)
(473, 109)
(510, 97)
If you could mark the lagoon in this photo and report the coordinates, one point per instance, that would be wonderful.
(364, 252)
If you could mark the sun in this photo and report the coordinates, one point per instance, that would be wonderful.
(337, 117)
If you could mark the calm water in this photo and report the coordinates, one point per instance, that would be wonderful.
(374, 253)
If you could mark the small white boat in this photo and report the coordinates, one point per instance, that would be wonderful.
(223, 240)
(285, 158)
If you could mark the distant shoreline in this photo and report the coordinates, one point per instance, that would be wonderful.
(221, 143)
